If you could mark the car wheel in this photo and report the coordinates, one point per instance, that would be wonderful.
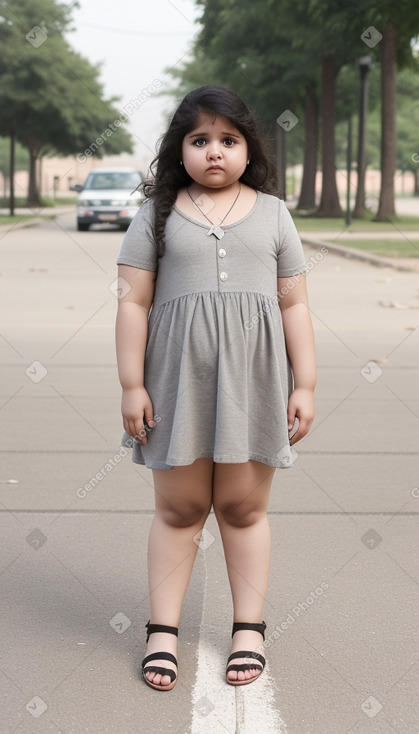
(81, 227)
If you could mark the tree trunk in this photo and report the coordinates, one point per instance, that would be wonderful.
(33, 198)
(359, 209)
(416, 180)
(12, 169)
(329, 202)
(386, 207)
(307, 199)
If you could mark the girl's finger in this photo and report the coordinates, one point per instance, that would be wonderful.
(149, 415)
(291, 417)
(141, 433)
(302, 431)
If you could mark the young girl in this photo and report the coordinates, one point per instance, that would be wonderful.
(216, 361)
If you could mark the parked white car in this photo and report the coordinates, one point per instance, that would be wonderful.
(109, 195)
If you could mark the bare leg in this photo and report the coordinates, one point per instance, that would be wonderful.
(183, 498)
(240, 498)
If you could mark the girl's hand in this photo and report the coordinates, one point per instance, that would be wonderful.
(136, 405)
(301, 406)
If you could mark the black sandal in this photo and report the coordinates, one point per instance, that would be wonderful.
(246, 654)
(151, 628)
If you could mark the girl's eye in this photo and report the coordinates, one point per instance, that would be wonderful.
(229, 142)
(200, 142)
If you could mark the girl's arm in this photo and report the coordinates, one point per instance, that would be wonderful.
(299, 339)
(131, 341)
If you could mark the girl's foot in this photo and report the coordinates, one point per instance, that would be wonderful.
(159, 667)
(242, 670)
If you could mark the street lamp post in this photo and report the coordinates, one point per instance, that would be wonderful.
(365, 65)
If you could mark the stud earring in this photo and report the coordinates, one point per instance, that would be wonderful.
(181, 163)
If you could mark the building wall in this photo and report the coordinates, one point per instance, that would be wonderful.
(69, 171)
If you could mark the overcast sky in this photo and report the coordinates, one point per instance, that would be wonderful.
(135, 42)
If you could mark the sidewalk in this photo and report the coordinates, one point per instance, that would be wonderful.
(342, 608)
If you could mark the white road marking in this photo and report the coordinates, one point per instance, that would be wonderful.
(213, 701)
(256, 707)
(218, 708)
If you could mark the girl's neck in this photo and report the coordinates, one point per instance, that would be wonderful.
(215, 193)
(196, 199)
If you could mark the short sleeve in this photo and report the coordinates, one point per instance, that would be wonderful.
(291, 260)
(138, 247)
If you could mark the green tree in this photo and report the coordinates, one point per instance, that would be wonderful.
(50, 97)
(398, 22)
(255, 54)
(290, 54)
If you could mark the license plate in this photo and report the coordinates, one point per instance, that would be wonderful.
(107, 217)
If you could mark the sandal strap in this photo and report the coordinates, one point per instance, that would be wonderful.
(245, 666)
(245, 626)
(157, 669)
(151, 628)
(159, 656)
(242, 668)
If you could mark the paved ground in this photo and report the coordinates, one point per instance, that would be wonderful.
(342, 609)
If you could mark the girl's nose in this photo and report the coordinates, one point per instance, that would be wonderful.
(214, 151)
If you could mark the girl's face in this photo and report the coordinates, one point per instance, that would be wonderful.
(214, 153)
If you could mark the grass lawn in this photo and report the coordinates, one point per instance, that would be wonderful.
(5, 219)
(385, 248)
(31, 213)
(46, 201)
(318, 224)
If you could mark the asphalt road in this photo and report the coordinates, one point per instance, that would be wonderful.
(342, 609)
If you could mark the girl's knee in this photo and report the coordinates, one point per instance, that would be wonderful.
(183, 516)
(238, 515)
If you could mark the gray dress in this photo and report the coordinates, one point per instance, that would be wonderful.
(216, 366)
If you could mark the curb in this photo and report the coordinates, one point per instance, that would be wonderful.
(377, 260)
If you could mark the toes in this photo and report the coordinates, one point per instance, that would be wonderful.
(243, 675)
(157, 679)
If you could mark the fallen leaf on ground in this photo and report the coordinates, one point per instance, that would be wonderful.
(392, 304)
(396, 304)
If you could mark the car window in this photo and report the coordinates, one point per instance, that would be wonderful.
(98, 181)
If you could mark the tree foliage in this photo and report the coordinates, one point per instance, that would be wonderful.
(273, 52)
(51, 99)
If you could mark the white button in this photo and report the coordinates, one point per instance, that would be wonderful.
(223, 276)
(221, 252)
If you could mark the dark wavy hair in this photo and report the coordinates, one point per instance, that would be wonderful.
(168, 175)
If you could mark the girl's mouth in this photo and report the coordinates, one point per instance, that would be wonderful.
(215, 168)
